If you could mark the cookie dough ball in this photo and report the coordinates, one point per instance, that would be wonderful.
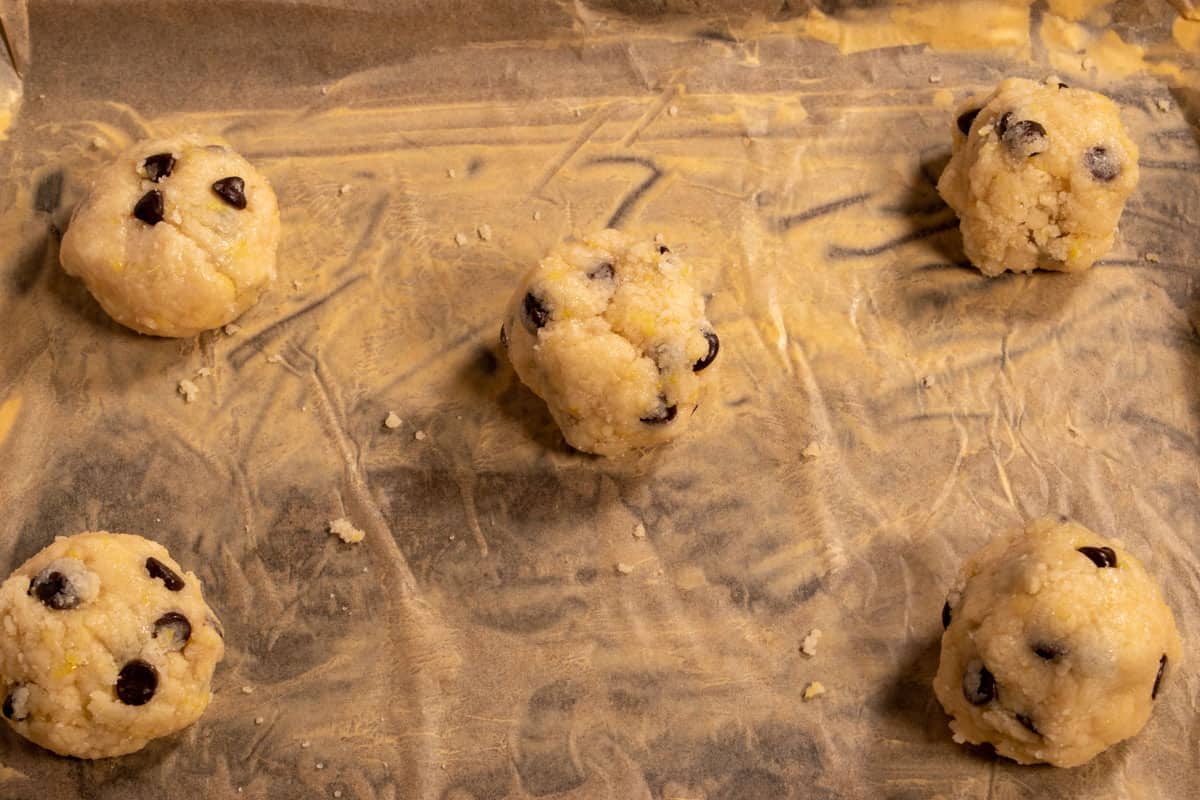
(177, 236)
(611, 334)
(105, 644)
(1057, 645)
(1039, 175)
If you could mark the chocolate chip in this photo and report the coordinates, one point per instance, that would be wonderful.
(663, 249)
(662, 415)
(503, 337)
(978, 685)
(158, 569)
(150, 208)
(1162, 666)
(1103, 165)
(16, 703)
(1101, 556)
(54, 590)
(604, 272)
(137, 683)
(1049, 651)
(177, 626)
(1002, 123)
(714, 346)
(159, 166)
(1025, 138)
(232, 190)
(1062, 85)
(1028, 723)
(946, 615)
(536, 314)
(967, 119)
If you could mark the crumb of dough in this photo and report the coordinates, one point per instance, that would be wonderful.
(232, 329)
(392, 421)
(247, 690)
(815, 689)
(450, 172)
(320, 765)
(673, 111)
(811, 451)
(485, 232)
(306, 745)
(189, 390)
(204, 372)
(1087, 63)
(935, 78)
(460, 239)
(344, 189)
(345, 531)
(624, 568)
(259, 720)
(537, 216)
(275, 358)
(419, 436)
(639, 531)
(97, 143)
(809, 645)
(1163, 104)
(297, 284)
(324, 90)
(927, 381)
(1152, 257)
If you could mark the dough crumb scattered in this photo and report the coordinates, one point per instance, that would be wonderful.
(247, 690)
(345, 531)
(275, 358)
(259, 720)
(189, 390)
(935, 78)
(624, 568)
(306, 745)
(673, 111)
(460, 239)
(392, 421)
(1163, 104)
(419, 436)
(809, 645)
(1087, 63)
(297, 284)
(450, 173)
(639, 531)
(344, 189)
(928, 381)
(537, 216)
(97, 143)
(811, 451)
(232, 328)
(320, 765)
(324, 90)
(815, 689)
(1153, 258)
(204, 372)
(485, 232)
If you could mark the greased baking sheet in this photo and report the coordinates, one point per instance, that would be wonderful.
(879, 410)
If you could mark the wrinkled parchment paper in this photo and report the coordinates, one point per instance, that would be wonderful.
(881, 410)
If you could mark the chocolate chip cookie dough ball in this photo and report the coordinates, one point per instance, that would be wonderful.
(1039, 176)
(105, 644)
(611, 334)
(177, 236)
(1057, 645)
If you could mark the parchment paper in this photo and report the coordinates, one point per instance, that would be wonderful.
(880, 411)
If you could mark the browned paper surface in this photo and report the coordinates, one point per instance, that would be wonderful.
(481, 644)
